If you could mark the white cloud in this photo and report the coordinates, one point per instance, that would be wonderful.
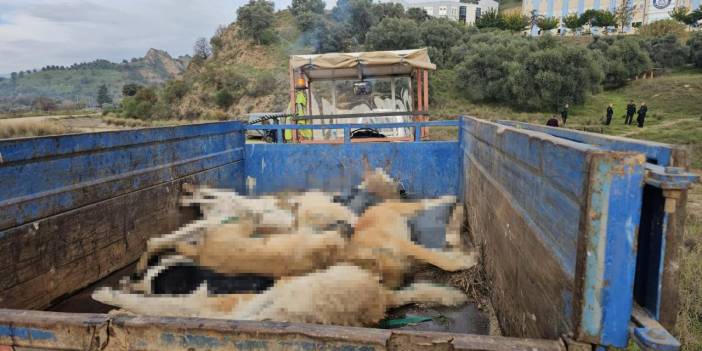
(36, 33)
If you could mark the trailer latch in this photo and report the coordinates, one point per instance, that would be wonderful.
(672, 180)
(650, 335)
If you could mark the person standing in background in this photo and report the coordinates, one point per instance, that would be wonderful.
(642, 115)
(610, 113)
(564, 114)
(630, 110)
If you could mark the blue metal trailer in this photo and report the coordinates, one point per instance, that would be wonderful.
(579, 232)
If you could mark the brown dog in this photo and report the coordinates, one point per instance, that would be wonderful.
(381, 243)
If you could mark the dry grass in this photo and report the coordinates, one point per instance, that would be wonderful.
(141, 123)
(689, 326)
(20, 129)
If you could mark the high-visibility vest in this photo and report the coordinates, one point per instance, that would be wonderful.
(300, 109)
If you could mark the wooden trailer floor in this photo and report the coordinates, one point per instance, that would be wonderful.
(81, 302)
(475, 317)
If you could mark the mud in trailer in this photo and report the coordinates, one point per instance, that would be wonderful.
(579, 231)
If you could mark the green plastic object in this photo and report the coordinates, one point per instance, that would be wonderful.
(401, 322)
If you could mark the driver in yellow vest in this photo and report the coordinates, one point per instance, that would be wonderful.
(300, 110)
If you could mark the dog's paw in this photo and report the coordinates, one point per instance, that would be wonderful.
(453, 297)
(104, 295)
(461, 260)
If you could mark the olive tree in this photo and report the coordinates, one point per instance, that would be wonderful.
(255, 21)
(394, 34)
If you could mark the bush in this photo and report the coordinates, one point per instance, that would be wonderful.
(667, 51)
(547, 23)
(264, 84)
(175, 90)
(255, 20)
(440, 35)
(488, 61)
(515, 22)
(695, 46)
(622, 59)
(357, 15)
(525, 73)
(331, 36)
(141, 105)
(394, 34)
(548, 78)
(663, 28)
(223, 99)
(307, 13)
(418, 14)
(572, 22)
(490, 19)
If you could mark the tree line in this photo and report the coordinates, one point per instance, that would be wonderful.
(490, 62)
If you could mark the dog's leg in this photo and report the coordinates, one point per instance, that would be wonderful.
(426, 293)
(197, 304)
(449, 261)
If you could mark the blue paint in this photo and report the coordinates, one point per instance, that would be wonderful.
(596, 5)
(614, 214)
(567, 297)
(26, 333)
(657, 153)
(581, 7)
(49, 175)
(251, 344)
(546, 172)
(545, 176)
(191, 340)
(613, 6)
(564, 8)
(426, 169)
(695, 4)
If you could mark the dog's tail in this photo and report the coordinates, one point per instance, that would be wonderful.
(427, 293)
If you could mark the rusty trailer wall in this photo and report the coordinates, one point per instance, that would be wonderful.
(75, 208)
(556, 217)
(69, 331)
(560, 230)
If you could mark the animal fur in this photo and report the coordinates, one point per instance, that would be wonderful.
(381, 243)
(278, 255)
(380, 184)
(317, 210)
(197, 304)
(384, 226)
(339, 295)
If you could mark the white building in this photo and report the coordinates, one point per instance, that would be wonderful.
(456, 10)
(647, 11)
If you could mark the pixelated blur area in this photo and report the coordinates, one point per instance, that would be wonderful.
(346, 258)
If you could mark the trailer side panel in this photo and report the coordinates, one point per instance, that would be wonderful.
(75, 208)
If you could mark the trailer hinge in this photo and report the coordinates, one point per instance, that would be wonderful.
(669, 178)
(650, 335)
(672, 180)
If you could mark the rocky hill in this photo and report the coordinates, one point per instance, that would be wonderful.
(240, 77)
(80, 82)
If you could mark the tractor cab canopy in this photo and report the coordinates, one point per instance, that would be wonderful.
(369, 64)
(361, 87)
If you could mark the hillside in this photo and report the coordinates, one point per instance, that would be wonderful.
(255, 77)
(80, 82)
(675, 115)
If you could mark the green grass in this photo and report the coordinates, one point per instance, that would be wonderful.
(675, 117)
(674, 109)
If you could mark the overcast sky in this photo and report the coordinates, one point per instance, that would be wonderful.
(36, 33)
